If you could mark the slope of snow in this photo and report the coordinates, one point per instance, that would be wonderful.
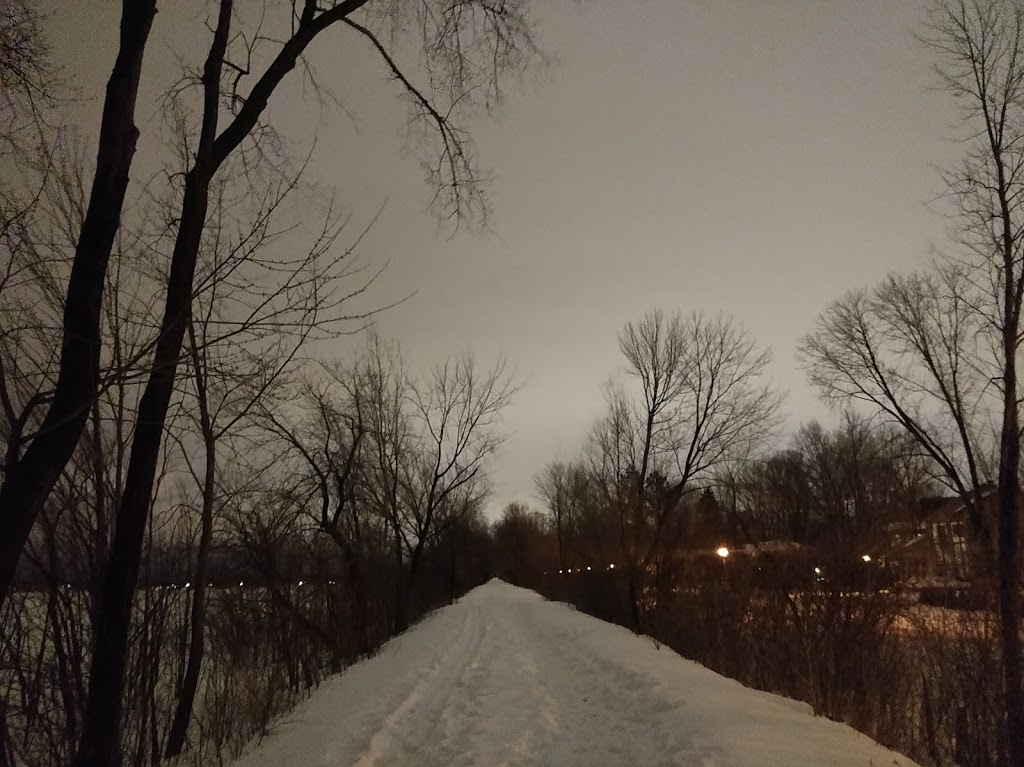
(505, 678)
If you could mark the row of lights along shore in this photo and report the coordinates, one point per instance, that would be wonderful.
(188, 585)
(580, 569)
(721, 551)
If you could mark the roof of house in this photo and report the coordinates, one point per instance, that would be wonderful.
(946, 510)
(951, 508)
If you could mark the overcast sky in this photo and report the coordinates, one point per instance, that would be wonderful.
(757, 158)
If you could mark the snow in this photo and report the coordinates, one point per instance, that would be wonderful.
(505, 678)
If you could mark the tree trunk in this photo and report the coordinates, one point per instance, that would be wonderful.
(403, 613)
(452, 570)
(190, 683)
(634, 598)
(29, 482)
(102, 534)
(362, 605)
(64, 680)
(106, 683)
(6, 750)
(399, 579)
(561, 543)
(1008, 490)
(103, 715)
(402, 607)
(360, 598)
(1009, 565)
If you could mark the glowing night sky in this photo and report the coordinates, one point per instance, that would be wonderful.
(757, 158)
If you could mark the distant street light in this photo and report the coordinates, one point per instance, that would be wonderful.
(723, 552)
(866, 558)
(611, 567)
(817, 571)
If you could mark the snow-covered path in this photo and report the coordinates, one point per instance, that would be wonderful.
(506, 678)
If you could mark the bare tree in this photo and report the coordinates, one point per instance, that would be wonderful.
(520, 535)
(330, 440)
(28, 482)
(252, 315)
(915, 349)
(859, 476)
(769, 498)
(979, 45)
(381, 385)
(378, 446)
(918, 350)
(700, 402)
(30, 82)
(456, 410)
(563, 488)
(38, 248)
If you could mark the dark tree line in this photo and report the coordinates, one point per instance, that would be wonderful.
(345, 502)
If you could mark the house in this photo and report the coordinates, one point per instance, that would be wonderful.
(938, 547)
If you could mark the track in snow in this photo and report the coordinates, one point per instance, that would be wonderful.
(503, 678)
